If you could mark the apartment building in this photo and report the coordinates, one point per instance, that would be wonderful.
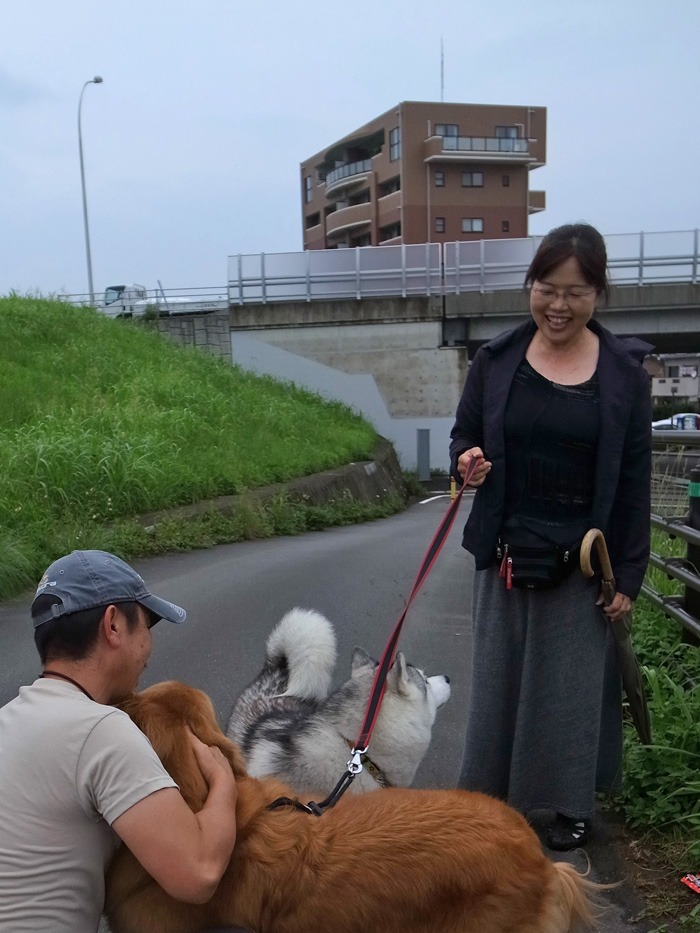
(424, 173)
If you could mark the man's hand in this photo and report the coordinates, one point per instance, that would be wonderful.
(186, 852)
(212, 762)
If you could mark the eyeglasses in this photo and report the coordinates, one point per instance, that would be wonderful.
(570, 295)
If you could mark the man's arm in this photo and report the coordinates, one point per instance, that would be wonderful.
(185, 852)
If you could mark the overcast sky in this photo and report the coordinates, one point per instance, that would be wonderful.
(192, 143)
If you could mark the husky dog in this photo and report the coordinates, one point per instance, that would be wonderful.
(290, 726)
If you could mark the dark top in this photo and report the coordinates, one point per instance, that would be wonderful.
(551, 439)
(622, 475)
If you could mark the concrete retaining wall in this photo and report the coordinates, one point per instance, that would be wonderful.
(208, 332)
(369, 481)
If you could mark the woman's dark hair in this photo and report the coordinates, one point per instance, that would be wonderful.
(72, 637)
(584, 243)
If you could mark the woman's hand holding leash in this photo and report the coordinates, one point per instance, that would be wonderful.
(481, 470)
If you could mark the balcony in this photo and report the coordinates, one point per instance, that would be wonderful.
(477, 149)
(346, 175)
(536, 202)
(389, 202)
(346, 218)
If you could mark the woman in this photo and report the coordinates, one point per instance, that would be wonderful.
(557, 415)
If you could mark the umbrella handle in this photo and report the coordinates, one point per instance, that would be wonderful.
(595, 535)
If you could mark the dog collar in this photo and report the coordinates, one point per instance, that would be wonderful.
(372, 768)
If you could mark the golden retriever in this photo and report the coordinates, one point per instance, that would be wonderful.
(390, 861)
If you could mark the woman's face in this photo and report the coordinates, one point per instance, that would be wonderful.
(562, 303)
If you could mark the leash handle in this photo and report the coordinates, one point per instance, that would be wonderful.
(379, 685)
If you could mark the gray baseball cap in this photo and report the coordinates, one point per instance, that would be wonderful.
(88, 579)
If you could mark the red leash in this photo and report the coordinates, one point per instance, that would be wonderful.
(379, 686)
(360, 747)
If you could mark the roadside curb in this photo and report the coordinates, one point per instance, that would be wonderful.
(370, 481)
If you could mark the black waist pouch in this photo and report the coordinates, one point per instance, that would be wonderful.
(529, 562)
(536, 568)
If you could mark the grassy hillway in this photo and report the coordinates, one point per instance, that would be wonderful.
(103, 422)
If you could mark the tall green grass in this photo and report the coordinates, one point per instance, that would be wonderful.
(662, 781)
(101, 420)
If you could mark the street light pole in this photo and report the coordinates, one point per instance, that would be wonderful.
(96, 80)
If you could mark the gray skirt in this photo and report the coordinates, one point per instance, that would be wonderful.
(544, 727)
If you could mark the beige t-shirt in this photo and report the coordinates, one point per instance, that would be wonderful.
(68, 768)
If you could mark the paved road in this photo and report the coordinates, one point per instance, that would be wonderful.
(360, 577)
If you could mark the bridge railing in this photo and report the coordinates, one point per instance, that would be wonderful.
(633, 259)
(448, 268)
(363, 272)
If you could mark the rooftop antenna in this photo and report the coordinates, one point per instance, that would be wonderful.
(442, 73)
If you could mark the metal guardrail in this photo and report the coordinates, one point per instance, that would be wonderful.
(447, 268)
(633, 259)
(431, 269)
(363, 272)
(685, 607)
(206, 295)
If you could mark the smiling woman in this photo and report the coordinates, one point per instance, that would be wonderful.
(562, 303)
(557, 414)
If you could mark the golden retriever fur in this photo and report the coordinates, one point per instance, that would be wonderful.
(393, 860)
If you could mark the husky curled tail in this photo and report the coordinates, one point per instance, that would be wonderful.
(290, 725)
(300, 659)
(303, 643)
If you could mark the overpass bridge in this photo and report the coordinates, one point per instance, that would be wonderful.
(390, 330)
(473, 289)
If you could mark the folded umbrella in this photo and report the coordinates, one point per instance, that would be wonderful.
(630, 671)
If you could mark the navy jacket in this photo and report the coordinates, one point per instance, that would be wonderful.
(621, 503)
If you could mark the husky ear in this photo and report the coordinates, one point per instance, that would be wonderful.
(398, 671)
(360, 658)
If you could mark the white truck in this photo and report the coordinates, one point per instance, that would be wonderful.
(135, 301)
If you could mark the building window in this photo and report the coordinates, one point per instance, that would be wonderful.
(364, 240)
(395, 144)
(362, 198)
(308, 189)
(390, 232)
(388, 187)
(507, 132)
(505, 181)
(446, 129)
(505, 226)
(313, 220)
(472, 179)
(472, 224)
(439, 224)
(439, 179)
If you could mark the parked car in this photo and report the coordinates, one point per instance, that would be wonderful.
(684, 421)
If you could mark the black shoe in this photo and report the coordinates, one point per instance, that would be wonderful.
(568, 832)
